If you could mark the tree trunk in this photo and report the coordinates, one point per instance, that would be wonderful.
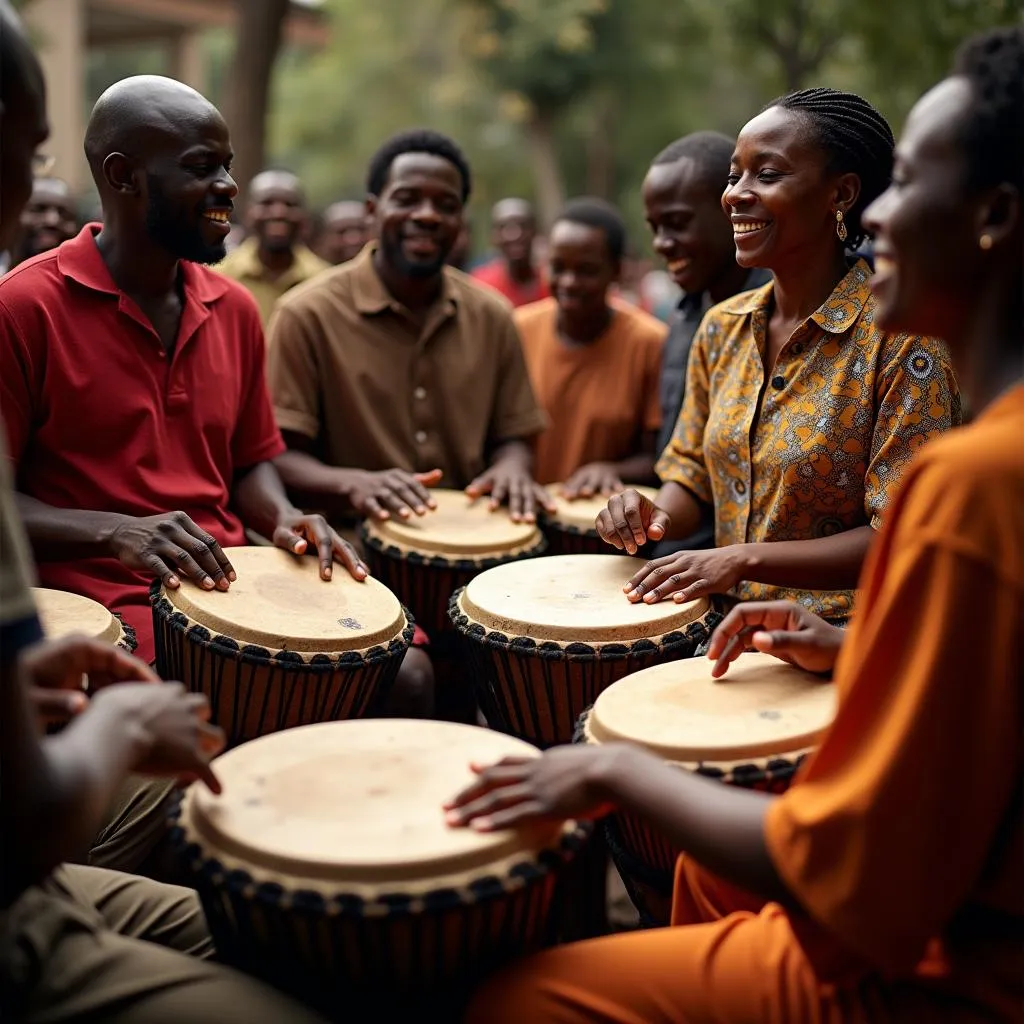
(260, 25)
(547, 175)
(601, 148)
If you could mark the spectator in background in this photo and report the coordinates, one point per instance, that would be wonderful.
(461, 253)
(273, 259)
(344, 230)
(47, 220)
(514, 273)
(594, 360)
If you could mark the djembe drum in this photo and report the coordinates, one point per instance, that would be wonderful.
(327, 867)
(62, 613)
(570, 529)
(751, 728)
(281, 647)
(546, 636)
(424, 559)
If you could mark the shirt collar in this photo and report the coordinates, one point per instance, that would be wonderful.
(370, 294)
(837, 314)
(305, 264)
(79, 259)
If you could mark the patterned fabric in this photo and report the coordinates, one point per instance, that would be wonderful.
(816, 446)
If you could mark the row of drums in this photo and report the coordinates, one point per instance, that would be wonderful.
(326, 865)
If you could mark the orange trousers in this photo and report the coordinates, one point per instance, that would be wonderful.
(728, 958)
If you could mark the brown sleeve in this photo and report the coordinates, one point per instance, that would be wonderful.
(516, 415)
(293, 373)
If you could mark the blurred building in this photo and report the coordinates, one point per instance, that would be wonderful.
(65, 31)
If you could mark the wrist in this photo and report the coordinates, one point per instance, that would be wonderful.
(747, 560)
(610, 772)
(108, 531)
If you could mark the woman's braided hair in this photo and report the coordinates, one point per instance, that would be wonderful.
(993, 135)
(857, 140)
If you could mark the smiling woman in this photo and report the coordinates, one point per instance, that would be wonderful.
(800, 412)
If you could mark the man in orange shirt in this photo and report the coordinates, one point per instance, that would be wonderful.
(594, 363)
(855, 905)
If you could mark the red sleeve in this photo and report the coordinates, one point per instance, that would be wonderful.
(19, 384)
(256, 437)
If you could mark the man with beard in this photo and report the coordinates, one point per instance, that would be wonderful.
(342, 232)
(48, 219)
(133, 391)
(682, 202)
(396, 370)
(272, 258)
(513, 273)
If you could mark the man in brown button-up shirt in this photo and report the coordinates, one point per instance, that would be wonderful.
(399, 368)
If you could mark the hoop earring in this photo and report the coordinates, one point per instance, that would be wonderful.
(985, 242)
(841, 226)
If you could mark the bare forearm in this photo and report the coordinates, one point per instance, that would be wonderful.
(313, 484)
(260, 498)
(722, 827)
(686, 512)
(62, 533)
(637, 469)
(824, 563)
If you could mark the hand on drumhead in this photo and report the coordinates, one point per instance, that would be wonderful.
(53, 672)
(170, 546)
(172, 726)
(296, 531)
(781, 628)
(686, 576)
(595, 478)
(563, 783)
(390, 492)
(630, 520)
(508, 481)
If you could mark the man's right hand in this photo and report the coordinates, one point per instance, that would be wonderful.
(390, 492)
(782, 628)
(170, 546)
(630, 520)
(171, 726)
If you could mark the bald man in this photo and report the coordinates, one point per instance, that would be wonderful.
(48, 220)
(514, 273)
(272, 258)
(344, 230)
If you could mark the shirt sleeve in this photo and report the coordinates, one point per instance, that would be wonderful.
(682, 462)
(875, 845)
(257, 437)
(917, 398)
(292, 372)
(517, 415)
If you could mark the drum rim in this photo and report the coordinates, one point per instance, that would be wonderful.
(459, 560)
(696, 630)
(116, 631)
(195, 632)
(458, 889)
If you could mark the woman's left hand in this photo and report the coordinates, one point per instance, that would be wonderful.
(687, 575)
(563, 783)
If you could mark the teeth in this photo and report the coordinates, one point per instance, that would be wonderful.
(218, 215)
(745, 227)
(676, 265)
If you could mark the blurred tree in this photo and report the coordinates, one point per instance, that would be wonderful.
(258, 40)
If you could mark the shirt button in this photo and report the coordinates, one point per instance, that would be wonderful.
(421, 436)
(778, 383)
(420, 393)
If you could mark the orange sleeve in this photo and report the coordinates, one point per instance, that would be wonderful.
(887, 831)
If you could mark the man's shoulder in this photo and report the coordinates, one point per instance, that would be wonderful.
(334, 285)
(642, 327)
(477, 297)
(32, 283)
(528, 317)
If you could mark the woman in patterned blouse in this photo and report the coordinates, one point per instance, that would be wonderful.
(800, 413)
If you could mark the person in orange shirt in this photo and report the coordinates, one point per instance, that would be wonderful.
(800, 412)
(594, 362)
(887, 884)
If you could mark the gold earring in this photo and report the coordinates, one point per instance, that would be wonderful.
(985, 242)
(840, 226)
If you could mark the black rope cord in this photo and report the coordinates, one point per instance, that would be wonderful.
(129, 641)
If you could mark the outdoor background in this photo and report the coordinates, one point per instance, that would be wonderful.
(549, 98)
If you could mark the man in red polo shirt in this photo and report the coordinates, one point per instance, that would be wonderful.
(512, 272)
(132, 377)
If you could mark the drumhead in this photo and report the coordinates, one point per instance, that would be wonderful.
(62, 613)
(581, 513)
(280, 602)
(761, 707)
(571, 598)
(356, 802)
(459, 527)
